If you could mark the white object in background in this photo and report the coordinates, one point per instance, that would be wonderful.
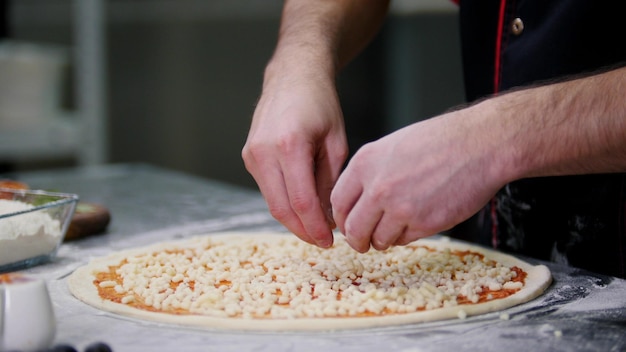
(27, 320)
(31, 78)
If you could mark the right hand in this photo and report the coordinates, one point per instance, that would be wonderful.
(295, 150)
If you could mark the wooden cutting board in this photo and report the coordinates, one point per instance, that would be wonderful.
(89, 219)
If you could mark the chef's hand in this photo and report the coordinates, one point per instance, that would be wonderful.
(415, 182)
(295, 150)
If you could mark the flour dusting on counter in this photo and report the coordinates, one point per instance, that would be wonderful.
(26, 235)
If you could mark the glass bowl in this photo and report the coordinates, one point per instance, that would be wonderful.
(32, 226)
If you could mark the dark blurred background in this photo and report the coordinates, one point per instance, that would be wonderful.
(174, 83)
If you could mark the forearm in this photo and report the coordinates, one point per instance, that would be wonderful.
(323, 36)
(573, 127)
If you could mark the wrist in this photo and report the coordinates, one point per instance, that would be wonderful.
(286, 69)
(312, 59)
(493, 128)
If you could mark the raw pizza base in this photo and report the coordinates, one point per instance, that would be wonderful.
(81, 285)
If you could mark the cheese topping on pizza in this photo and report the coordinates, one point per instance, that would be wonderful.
(286, 278)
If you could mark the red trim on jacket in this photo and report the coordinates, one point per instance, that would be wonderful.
(499, 33)
(496, 88)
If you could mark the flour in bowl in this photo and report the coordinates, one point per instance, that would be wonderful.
(26, 235)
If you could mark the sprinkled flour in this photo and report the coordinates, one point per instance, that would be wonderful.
(27, 235)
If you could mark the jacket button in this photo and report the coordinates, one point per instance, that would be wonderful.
(517, 26)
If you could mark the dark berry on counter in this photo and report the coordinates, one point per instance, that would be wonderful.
(98, 347)
(63, 348)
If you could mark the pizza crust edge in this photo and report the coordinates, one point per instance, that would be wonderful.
(81, 285)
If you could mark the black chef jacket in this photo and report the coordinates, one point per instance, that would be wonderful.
(577, 220)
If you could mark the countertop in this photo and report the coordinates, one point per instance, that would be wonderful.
(580, 311)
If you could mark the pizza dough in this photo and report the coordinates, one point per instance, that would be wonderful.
(272, 281)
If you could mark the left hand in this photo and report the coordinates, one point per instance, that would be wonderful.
(415, 182)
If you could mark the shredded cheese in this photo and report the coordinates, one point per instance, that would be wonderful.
(288, 279)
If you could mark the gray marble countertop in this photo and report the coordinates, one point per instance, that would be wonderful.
(580, 311)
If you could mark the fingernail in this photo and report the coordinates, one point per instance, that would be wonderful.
(325, 243)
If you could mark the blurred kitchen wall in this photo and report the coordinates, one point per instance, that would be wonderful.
(183, 76)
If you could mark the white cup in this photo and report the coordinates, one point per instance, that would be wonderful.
(26, 316)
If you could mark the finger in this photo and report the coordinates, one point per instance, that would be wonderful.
(324, 187)
(409, 236)
(272, 187)
(304, 201)
(360, 224)
(269, 177)
(387, 232)
(327, 170)
(343, 197)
